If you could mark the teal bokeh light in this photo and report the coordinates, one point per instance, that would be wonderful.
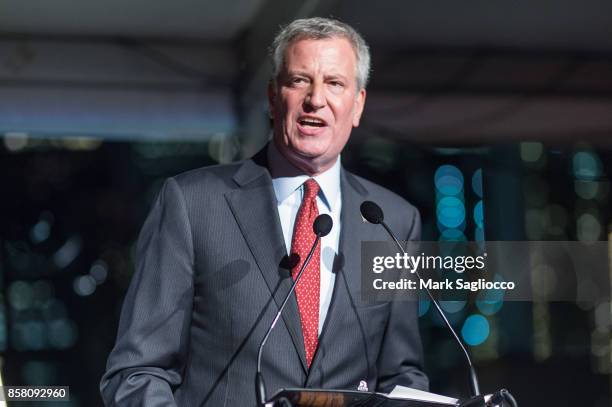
(452, 235)
(448, 180)
(452, 306)
(479, 215)
(489, 307)
(477, 182)
(442, 228)
(424, 305)
(586, 166)
(475, 330)
(450, 212)
(479, 235)
(490, 301)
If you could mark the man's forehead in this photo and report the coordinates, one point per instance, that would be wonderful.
(325, 42)
(338, 50)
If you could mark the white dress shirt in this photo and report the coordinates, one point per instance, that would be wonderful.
(289, 191)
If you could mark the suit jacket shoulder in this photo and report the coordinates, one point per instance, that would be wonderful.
(403, 217)
(218, 176)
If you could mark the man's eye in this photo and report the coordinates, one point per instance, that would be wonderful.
(298, 80)
(337, 84)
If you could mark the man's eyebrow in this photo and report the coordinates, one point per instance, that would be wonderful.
(297, 72)
(335, 76)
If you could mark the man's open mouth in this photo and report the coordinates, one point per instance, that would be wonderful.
(313, 122)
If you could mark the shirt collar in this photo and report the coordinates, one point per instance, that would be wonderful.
(285, 178)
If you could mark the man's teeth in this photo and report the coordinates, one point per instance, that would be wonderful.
(312, 122)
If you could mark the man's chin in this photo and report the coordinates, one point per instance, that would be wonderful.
(309, 155)
(311, 163)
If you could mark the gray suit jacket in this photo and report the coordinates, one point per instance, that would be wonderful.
(209, 280)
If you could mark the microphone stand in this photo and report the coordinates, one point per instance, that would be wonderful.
(322, 226)
(373, 214)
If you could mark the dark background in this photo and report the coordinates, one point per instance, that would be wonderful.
(100, 102)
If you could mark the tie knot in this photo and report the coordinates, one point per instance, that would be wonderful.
(311, 189)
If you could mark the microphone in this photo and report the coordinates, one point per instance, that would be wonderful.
(321, 227)
(372, 213)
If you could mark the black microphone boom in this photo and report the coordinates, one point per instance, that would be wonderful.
(372, 213)
(322, 226)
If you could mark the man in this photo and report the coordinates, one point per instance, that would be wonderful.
(212, 255)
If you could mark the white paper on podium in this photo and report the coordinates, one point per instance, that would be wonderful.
(406, 393)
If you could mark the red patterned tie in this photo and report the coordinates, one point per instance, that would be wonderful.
(308, 289)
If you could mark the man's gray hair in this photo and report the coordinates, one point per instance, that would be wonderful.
(318, 28)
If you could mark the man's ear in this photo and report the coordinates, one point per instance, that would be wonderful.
(271, 98)
(359, 104)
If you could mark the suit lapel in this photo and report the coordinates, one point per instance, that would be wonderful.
(347, 268)
(254, 208)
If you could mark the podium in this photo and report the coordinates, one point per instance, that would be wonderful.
(345, 398)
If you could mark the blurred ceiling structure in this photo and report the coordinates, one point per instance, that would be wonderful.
(443, 71)
(563, 24)
(206, 20)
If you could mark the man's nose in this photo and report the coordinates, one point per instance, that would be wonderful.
(315, 99)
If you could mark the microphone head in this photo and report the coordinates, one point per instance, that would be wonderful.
(322, 225)
(371, 212)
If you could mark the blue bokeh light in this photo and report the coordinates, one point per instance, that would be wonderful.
(424, 306)
(490, 301)
(452, 235)
(479, 235)
(40, 232)
(63, 333)
(477, 182)
(586, 165)
(452, 306)
(475, 330)
(450, 211)
(442, 227)
(479, 214)
(489, 307)
(448, 180)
